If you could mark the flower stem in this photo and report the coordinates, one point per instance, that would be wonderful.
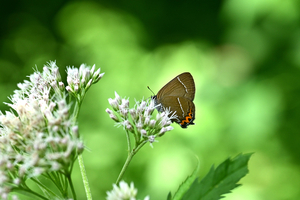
(80, 158)
(71, 185)
(129, 158)
(84, 178)
(44, 187)
(29, 191)
(128, 142)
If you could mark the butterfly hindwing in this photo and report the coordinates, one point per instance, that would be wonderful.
(180, 106)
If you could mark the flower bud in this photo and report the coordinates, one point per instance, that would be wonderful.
(151, 139)
(118, 98)
(75, 131)
(124, 112)
(143, 132)
(108, 111)
(93, 69)
(133, 114)
(96, 74)
(80, 147)
(99, 77)
(128, 126)
(125, 103)
(114, 104)
(89, 84)
(69, 89)
(152, 123)
(114, 117)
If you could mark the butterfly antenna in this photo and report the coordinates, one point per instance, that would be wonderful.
(150, 90)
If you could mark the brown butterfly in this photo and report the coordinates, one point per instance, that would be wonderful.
(178, 96)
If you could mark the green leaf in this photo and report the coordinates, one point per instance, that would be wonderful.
(169, 197)
(185, 185)
(219, 181)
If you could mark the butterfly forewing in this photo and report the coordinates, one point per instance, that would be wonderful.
(181, 86)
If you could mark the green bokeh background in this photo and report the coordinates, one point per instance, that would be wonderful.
(243, 55)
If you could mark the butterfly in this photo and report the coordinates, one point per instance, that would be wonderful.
(178, 95)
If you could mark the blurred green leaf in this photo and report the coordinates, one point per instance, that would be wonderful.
(219, 181)
(184, 187)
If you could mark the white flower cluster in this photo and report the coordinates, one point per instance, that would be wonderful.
(139, 120)
(40, 134)
(80, 80)
(123, 192)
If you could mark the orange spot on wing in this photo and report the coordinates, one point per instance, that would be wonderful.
(188, 118)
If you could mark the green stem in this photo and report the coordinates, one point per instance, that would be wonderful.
(71, 186)
(84, 178)
(29, 191)
(36, 194)
(128, 142)
(76, 109)
(129, 158)
(43, 187)
(80, 158)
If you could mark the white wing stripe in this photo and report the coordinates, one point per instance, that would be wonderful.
(182, 84)
(180, 107)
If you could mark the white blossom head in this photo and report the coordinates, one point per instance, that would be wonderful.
(40, 133)
(80, 80)
(123, 192)
(139, 120)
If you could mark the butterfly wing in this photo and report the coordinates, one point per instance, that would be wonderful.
(182, 85)
(184, 109)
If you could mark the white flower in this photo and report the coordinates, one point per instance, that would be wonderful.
(40, 134)
(81, 79)
(123, 192)
(139, 120)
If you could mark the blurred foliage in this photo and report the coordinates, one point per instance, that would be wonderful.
(245, 59)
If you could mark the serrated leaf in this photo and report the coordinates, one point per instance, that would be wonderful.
(219, 181)
(186, 184)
